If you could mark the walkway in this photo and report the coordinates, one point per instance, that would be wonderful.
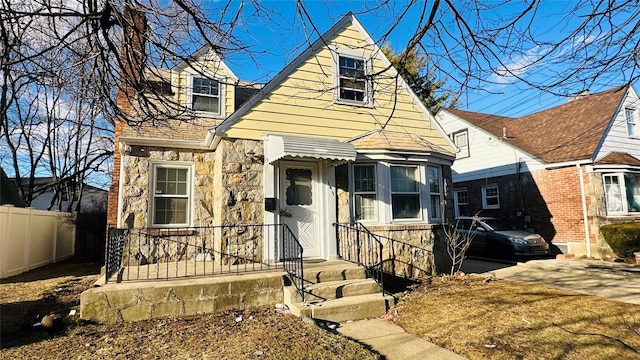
(391, 341)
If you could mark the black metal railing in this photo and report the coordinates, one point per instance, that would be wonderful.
(153, 253)
(292, 260)
(358, 245)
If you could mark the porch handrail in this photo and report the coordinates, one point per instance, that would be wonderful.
(359, 245)
(292, 262)
(157, 253)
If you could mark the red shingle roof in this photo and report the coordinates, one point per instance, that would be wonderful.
(616, 158)
(566, 132)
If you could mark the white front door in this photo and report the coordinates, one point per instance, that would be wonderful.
(299, 204)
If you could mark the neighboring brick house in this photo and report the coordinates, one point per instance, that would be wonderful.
(562, 172)
(335, 136)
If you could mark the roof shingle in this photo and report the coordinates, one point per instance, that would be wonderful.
(566, 132)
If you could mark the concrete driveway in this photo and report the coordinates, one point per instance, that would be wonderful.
(609, 280)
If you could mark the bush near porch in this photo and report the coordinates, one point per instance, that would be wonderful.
(624, 239)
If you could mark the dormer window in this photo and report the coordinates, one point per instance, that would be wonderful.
(206, 95)
(352, 85)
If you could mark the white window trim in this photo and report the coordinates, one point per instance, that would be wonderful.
(354, 193)
(463, 151)
(635, 122)
(368, 68)
(221, 93)
(384, 209)
(440, 193)
(484, 197)
(622, 191)
(422, 192)
(152, 188)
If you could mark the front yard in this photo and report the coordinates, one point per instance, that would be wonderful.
(475, 318)
(501, 319)
(259, 334)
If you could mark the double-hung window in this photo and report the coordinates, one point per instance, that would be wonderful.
(171, 195)
(352, 84)
(633, 126)
(622, 193)
(433, 173)
(205, 95)
(405, 192)
(461, 140)
(364, 192)
(390, 192)
(490, 197)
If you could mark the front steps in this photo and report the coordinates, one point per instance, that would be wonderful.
(337, 291)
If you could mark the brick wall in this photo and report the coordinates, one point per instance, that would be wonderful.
(551, 201)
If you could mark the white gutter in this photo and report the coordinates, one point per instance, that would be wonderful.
(190, 144)
(584, 212)
(553, 166)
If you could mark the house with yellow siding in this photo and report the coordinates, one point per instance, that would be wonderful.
(336, 137)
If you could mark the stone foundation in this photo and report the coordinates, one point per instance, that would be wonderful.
(150, 300)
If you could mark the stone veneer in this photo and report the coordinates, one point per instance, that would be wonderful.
(227, 190)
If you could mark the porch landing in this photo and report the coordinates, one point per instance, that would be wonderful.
(203, 294)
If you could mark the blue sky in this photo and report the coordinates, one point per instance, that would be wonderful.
(277, 39)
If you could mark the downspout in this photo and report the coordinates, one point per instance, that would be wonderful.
(585, 217)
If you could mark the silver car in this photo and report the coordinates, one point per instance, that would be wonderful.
(493, 237)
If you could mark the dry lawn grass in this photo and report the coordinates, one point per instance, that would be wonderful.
(262, 334)
(523, 321)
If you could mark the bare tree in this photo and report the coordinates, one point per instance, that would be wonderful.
(473, 44)
(458, 243)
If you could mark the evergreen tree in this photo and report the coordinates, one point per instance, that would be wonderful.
(422, 80)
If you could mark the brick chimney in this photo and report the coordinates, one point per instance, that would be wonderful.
(132, 61)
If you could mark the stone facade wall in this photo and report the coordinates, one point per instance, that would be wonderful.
(227, 191)
(239, 196)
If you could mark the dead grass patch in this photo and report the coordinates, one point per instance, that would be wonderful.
(510, 320)
(262, 334)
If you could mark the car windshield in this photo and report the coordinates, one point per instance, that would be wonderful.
(497, 225)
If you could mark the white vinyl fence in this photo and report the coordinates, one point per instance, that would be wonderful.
(32, 238)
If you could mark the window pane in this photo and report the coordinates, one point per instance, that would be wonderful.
(405, 206)
(364, 178)
(403, 179)
(365, 207)
(171, 211)
(463, 197)
(205, 86)
(205, 103)
(434, 179)
(632, 190)
(351, 95)
(171, 181)
(435, 206)
(299, 190)
(613, 193)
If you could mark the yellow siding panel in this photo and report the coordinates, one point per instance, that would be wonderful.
(304, 102)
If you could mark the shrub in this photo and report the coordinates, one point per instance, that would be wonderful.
(624, 239)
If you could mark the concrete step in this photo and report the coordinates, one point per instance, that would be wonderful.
(346, 308)
(337, 272)
(333, 290)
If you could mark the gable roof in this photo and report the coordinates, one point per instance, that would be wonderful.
(263, 95)
(567, 132)
(204, 51)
